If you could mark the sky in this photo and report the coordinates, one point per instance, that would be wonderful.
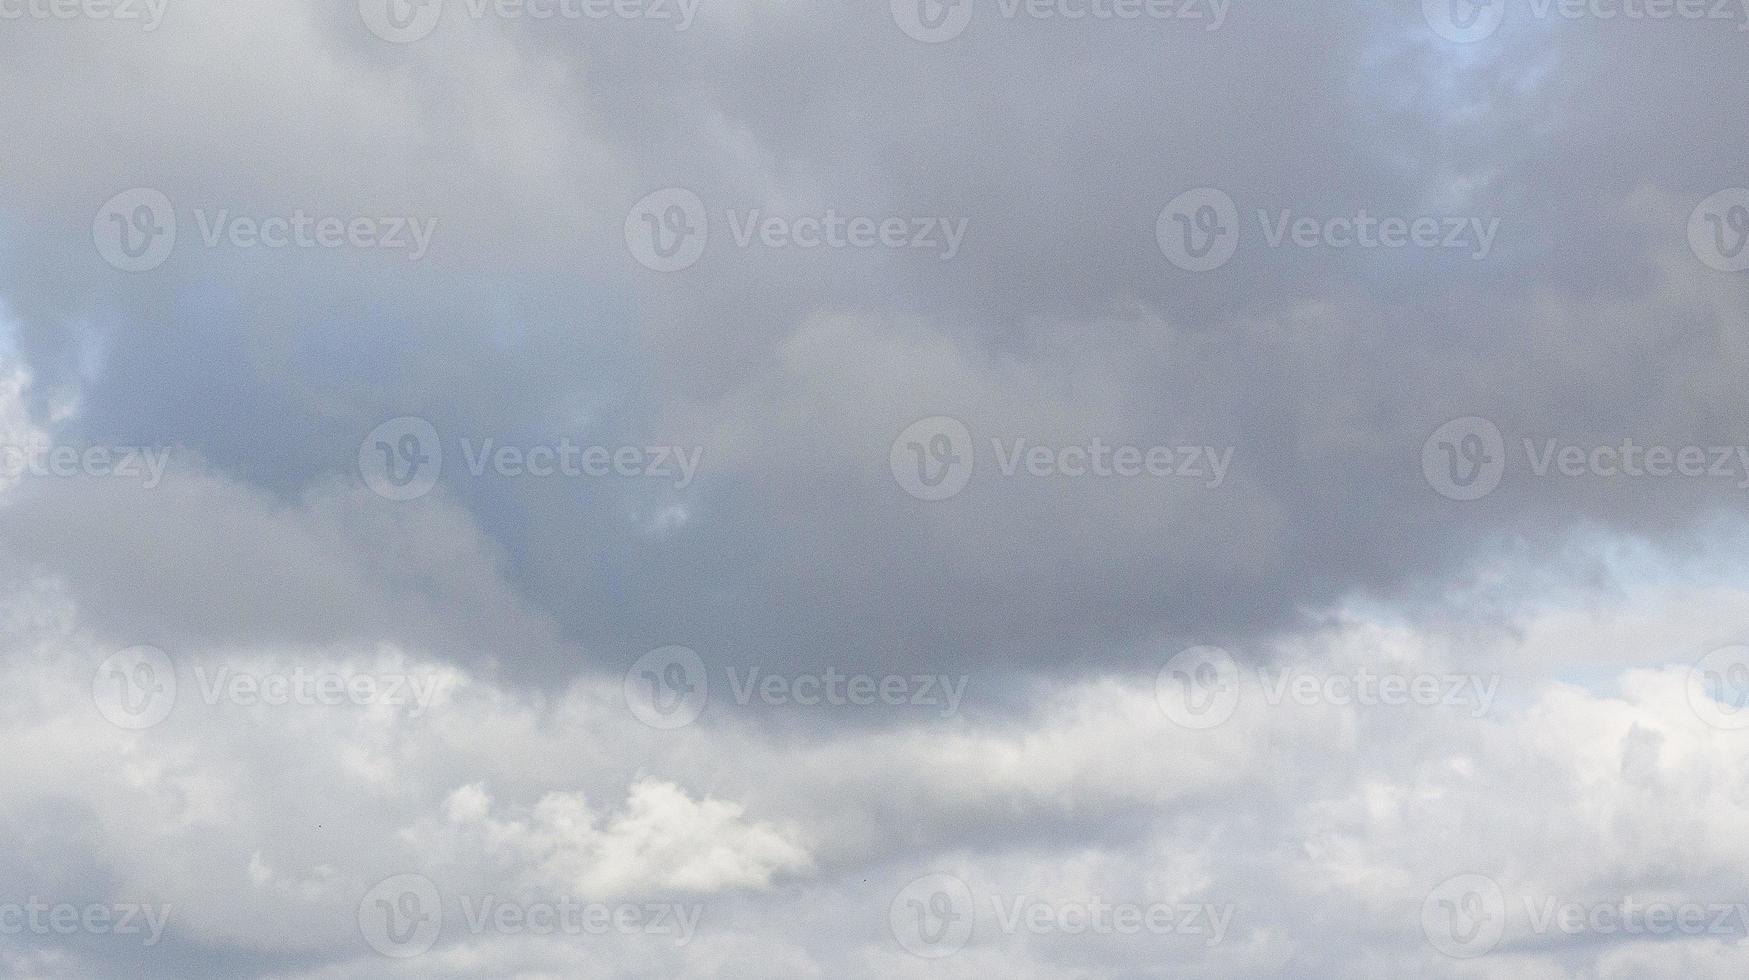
(937, 488)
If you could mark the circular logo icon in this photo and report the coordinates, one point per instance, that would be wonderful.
(401, 459)
(1199, 230)
(933, 458)
(401, 21)
(1718, 688)
(932, 916)
(1199, 688)
(1464, 21)
(135, 688)
(932, 21)
(401, 916)
(1464, 459)
(1718, 231)
(1464, 916)
(667, 230)
(135, 230)
(667, 688)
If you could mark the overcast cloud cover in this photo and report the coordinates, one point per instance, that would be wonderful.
(939, 488)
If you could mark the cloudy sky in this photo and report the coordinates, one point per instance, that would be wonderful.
(938, 488)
